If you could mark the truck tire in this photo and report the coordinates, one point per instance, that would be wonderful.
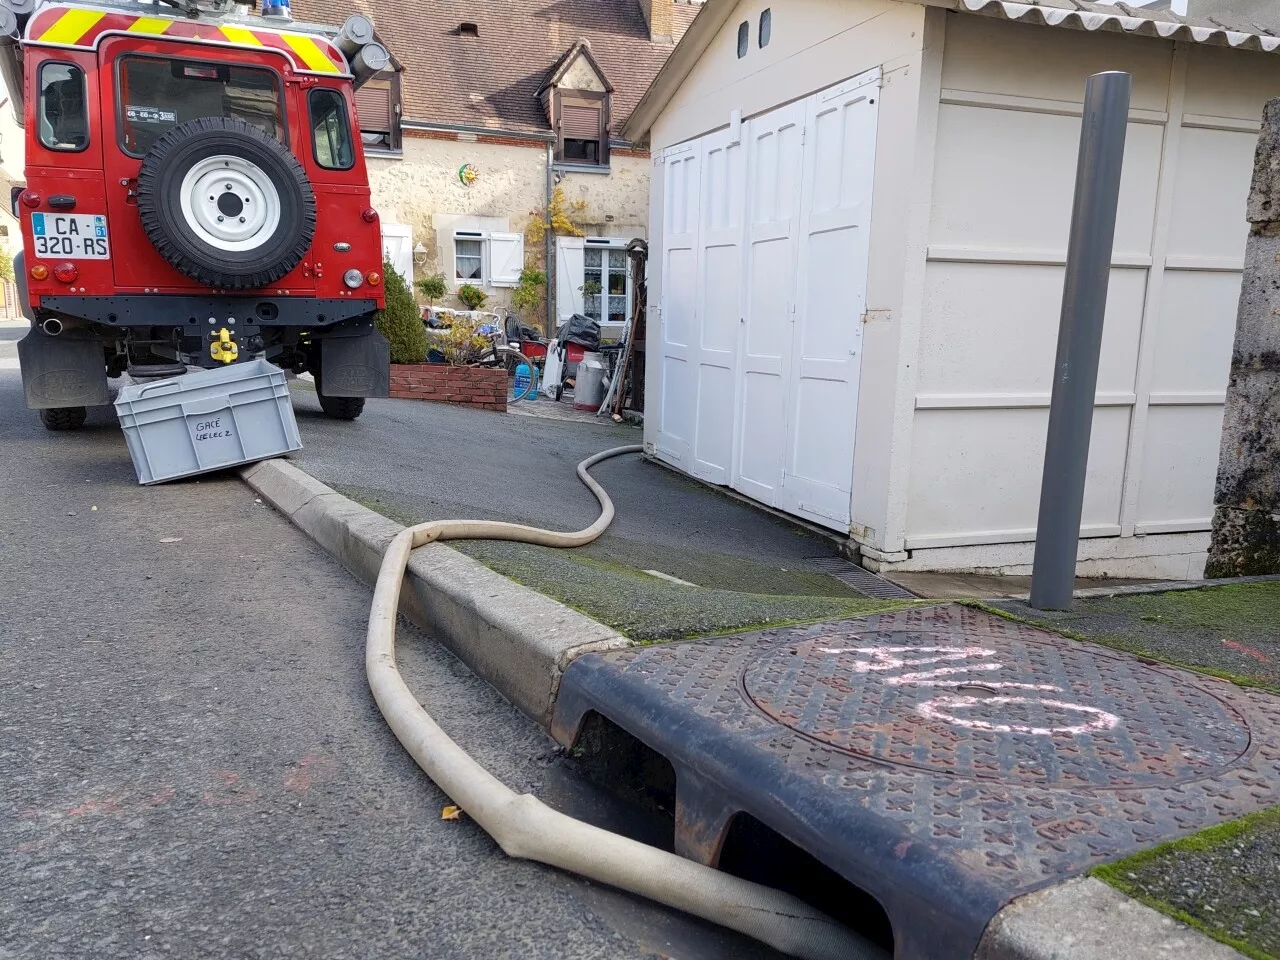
(225, 204)
(63, 418)
(341, 408)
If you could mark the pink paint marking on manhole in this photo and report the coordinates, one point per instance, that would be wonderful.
(997, 706)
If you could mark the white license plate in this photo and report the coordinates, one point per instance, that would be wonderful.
(77, 236)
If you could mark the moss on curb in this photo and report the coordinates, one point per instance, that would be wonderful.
(607, 581)
(1230, 632)
(1186, 878)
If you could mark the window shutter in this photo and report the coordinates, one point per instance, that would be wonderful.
(569, 276)
(373, 107)
(578, 122)
(506, 259)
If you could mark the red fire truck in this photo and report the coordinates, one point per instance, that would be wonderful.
(195, 195)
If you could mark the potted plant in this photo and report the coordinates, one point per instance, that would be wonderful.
(473, 297)
(433, 288)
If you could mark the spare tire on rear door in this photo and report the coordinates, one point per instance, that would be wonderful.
(226, 204)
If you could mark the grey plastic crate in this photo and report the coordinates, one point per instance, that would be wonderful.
(207, 420)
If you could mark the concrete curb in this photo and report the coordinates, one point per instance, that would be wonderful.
(515, 638)
(1085, 919)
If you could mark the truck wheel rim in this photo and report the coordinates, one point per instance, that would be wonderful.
(230, 203)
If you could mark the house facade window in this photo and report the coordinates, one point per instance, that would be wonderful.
(487, 258)
(766, 27)
(378, 111)
(744, 38)
(582, 128)
(605, 283)
(468, 259)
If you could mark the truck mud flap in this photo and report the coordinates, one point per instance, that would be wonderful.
(355, 361)
(62, 372)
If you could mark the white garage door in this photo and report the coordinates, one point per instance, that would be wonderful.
(764, 266)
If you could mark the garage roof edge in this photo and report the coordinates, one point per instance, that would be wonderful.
(1071, 14)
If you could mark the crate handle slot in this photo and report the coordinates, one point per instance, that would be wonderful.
(198, 408)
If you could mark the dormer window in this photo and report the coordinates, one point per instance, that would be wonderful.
(582, 134)
(467, 29)
(576, 97)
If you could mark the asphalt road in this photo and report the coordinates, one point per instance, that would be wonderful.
(192, 765)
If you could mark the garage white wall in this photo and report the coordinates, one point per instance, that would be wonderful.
(1007, 136)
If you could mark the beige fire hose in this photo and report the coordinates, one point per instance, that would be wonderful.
(525, 827)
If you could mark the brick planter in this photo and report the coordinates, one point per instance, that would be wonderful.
(483, 387)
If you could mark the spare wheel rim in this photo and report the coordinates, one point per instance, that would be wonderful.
(230, 203)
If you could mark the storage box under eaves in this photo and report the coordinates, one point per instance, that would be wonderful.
(209, 420)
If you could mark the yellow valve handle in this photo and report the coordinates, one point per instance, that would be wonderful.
(224, 348)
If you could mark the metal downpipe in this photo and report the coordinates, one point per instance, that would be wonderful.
(525, 827)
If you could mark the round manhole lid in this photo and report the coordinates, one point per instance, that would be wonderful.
(1002, 708)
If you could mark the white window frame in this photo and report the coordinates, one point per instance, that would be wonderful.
(605, 244)
(513, 242)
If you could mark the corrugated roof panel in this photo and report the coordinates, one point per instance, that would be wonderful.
(1080, 15)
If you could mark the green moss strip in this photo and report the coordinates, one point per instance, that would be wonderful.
(606, 581)
(1223, 881)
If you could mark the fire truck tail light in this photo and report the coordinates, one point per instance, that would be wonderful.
(368, 214)
(39, 271)
(30, 198)
(353, 278)
(374, 278)
(66, 272)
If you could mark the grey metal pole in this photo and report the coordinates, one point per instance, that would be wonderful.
(1084, 300)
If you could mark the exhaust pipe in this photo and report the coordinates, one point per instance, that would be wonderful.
(52, 327)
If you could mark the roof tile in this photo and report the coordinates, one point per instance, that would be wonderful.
(492, 80)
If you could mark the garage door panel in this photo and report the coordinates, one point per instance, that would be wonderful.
(1180, 465)
(832, 304)
(1196, 332)
(768, 320)
(713, 445)
(721, 284)
(1208, 214)
(992, 462)
(677, 400)
(680, 284)
(764, 402)
(775, 165)
(974, 342)
(983, 202)
(823, 431)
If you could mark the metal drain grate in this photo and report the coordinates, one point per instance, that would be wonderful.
(861, 579)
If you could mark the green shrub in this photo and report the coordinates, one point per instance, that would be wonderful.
(528, 294)
(473, 297)
(6, 264)
(400, 322)
(432, 288)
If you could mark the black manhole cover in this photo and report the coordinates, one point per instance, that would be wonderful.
(997, 707)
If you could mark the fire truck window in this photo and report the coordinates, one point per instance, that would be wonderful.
(156, 95)
(330, 131)
(64, 124)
